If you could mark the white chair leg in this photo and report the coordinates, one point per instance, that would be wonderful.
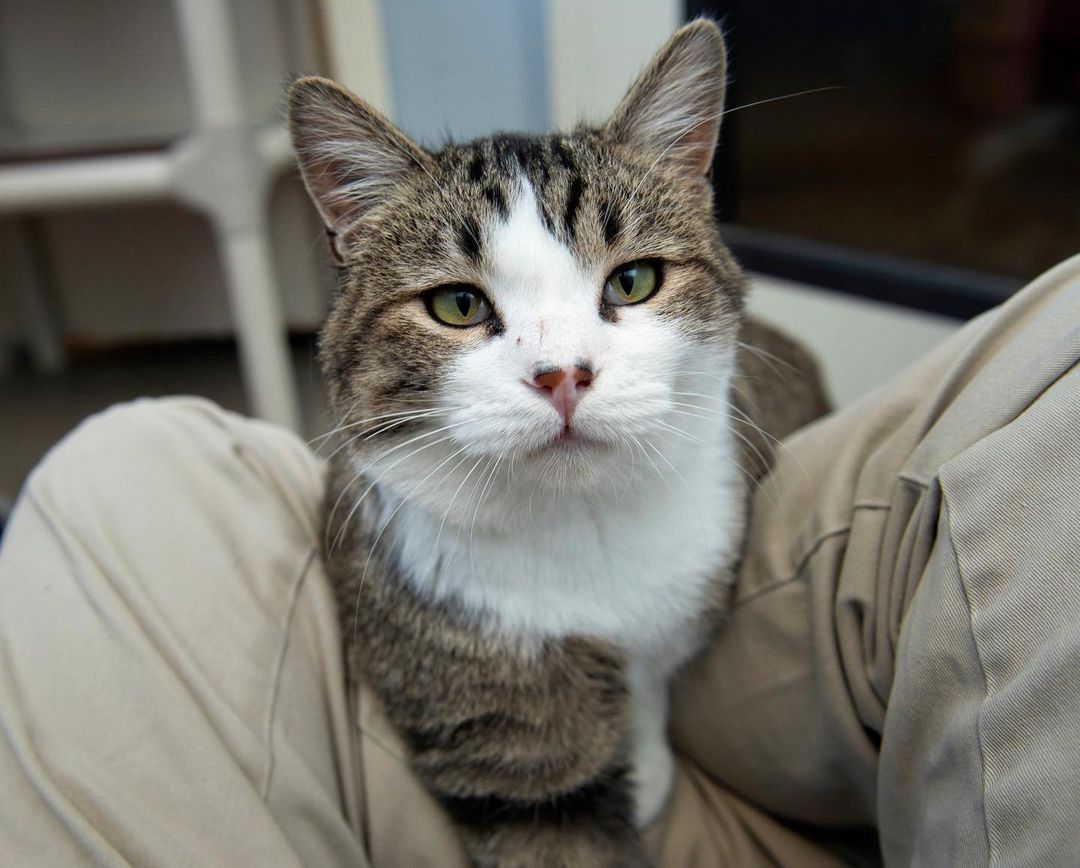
(41, 323)
(264, 351)
(220, 169)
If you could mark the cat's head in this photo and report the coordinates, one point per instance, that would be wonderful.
(535, 303)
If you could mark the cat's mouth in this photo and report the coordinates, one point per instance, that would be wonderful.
(568, 440)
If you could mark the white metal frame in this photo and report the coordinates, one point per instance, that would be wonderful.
(222, 167)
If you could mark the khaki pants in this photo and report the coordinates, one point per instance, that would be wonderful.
(904, 652)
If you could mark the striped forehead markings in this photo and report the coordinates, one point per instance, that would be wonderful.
(610, 221)
(561, 151)
(524, 245)
(497, 199)
(477, 167)
(469, 238)
(573, 202)
(550, 167)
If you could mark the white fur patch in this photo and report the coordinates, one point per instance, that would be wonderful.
(622, 538)
(653, 761)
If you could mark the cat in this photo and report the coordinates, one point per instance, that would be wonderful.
(537, 503)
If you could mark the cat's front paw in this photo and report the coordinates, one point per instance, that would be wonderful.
(568, 844)
(654, 771)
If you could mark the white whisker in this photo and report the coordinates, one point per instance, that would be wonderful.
(654, 467)
(667, 426)
(488, 459)
(479, 502)
(386, 524)
(697, 507)
(716, 116)
(408, 455)
(382, 428)
(345, 427)
(770, 359)
(450, 505)
(757, 452)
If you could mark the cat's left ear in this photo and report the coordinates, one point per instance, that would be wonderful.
(674, 107)
(350, 156)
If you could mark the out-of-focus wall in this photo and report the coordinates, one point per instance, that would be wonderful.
(597, 47)
(467, 69)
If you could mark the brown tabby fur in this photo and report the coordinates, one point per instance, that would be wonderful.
(776, 390)
(526, 747)
(483, 716)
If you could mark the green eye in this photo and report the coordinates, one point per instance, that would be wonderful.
(631, 283)
(459, 306)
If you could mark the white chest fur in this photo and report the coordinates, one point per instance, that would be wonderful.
(631, 566)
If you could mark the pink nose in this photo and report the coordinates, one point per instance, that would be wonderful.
(563, 387)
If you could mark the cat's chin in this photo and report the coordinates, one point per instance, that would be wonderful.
(570, 463)
(572, 459)
(569, 442)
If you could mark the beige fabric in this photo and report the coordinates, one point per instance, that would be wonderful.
(169, 674)
(902, 653)
(905, 647)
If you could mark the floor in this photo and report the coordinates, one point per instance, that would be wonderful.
(38, 409)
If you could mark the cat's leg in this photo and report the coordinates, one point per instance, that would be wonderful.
(554, 778)
(590, 827)
(653, 763)
(527, 753)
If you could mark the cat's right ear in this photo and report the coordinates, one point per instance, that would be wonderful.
(350, 155)
(674, 107)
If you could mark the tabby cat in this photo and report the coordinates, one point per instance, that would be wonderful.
(537, 501)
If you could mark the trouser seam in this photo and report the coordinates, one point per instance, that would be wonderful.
(279, 668)
(806, 557)
(20, 741)
(947, 515)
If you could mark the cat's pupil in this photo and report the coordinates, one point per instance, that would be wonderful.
(464, 302)
(626, 280)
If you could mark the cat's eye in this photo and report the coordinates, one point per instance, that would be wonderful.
(459, 305)
(632, 283)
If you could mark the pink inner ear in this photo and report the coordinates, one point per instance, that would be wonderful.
(351, 157)
(335, 252)
(674, 106)
(697, 147)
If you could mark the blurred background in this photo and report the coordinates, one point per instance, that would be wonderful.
(155, 239)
